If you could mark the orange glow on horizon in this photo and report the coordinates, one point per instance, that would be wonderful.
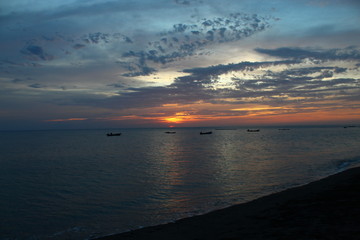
(66, 120)
(208, 114)
(270, 116)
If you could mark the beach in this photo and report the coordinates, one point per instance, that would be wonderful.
(325, 209)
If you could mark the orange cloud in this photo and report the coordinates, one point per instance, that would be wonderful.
(207, 114)
(66, 119)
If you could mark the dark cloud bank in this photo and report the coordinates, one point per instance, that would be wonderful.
(311, 83)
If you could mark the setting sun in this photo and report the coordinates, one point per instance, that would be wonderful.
(178, 117)
(173, 120)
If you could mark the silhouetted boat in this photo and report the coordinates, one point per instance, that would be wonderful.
(201, 133)
(253, 130)
(113, 134)
(170, 132)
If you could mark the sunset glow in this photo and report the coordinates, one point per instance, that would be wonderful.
(173, 120)
(243, 63)
(65, 120)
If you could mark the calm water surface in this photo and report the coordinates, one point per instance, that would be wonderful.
(82, 184)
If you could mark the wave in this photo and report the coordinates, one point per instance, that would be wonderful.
(344, 164)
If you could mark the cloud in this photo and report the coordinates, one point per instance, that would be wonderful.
(36, 85)
(78, 46)
(35, 52)
(5, 63)
(142, 59)
(293, 81)
(187, 2)
(349, 53)
(103, 52)
(143, 70)
(99, 37)
(185, 40)
(66, 120)
(78, 8)
(62, 48)
(243, 66)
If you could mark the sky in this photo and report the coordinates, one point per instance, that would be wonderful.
(178, 63)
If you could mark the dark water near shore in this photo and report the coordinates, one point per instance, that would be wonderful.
(81, 184)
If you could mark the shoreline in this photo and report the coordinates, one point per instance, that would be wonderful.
(328, 208)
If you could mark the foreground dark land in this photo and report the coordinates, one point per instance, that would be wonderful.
(325, 209)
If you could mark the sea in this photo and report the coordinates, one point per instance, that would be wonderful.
(82, 184)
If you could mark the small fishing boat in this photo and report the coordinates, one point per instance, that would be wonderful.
(113, 134)
(201, 133)
(253, 130)
(170, 132)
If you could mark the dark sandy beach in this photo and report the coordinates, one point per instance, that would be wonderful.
(325, 209)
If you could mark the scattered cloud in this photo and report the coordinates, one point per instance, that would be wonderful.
(185, 40)
(349, 53)
(36, 85)
(178, 60)
(36, 53)
(187, 2)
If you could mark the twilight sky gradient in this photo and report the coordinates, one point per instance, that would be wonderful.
(160, 63)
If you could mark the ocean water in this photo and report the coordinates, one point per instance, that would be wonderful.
(81, 184)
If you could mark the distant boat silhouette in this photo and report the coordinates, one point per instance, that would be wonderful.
(201, 133)
(253, 130)
(113, 134)
(170, 132)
